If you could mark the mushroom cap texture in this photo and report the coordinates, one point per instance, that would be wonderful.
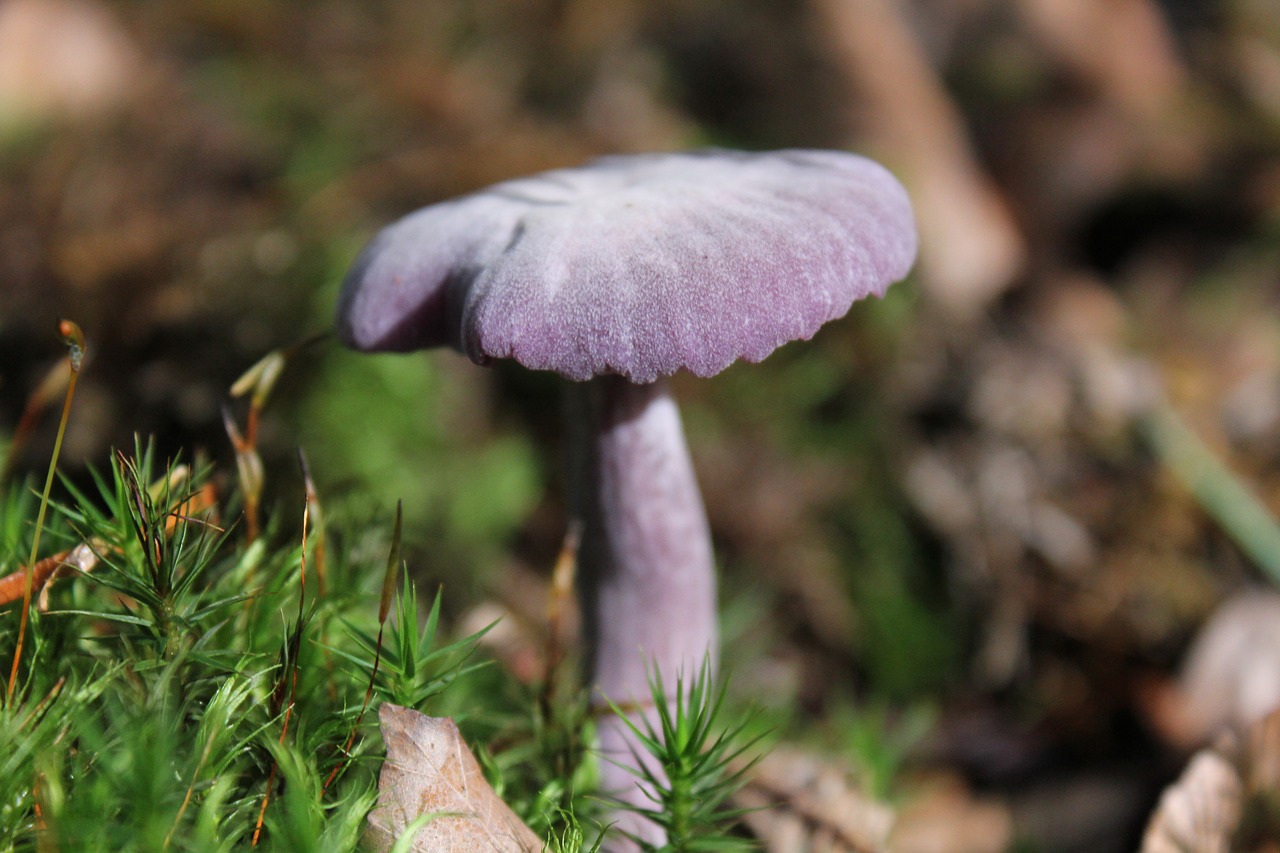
(636, 265)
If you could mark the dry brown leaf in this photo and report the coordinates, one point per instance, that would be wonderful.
(804, 804)
(1200, 812)
(1231, 677)
(946, 817)
(430, 771)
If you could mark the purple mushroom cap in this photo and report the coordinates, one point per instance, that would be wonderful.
(623, 272)
(636, 265)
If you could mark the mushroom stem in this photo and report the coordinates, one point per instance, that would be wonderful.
(647, 575)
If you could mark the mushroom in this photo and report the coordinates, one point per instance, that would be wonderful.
(616, 275)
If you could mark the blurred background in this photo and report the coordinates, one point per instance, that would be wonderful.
(968, 533)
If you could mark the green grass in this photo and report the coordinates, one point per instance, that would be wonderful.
(195, 691)
(703, 763)
(167, 693)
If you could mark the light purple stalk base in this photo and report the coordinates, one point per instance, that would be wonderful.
(647, 575)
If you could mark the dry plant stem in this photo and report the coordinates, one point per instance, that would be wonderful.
(646, 572)
(249, 469)
(13, 586)
(558, 601)
(35, 539)
(317, 521)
